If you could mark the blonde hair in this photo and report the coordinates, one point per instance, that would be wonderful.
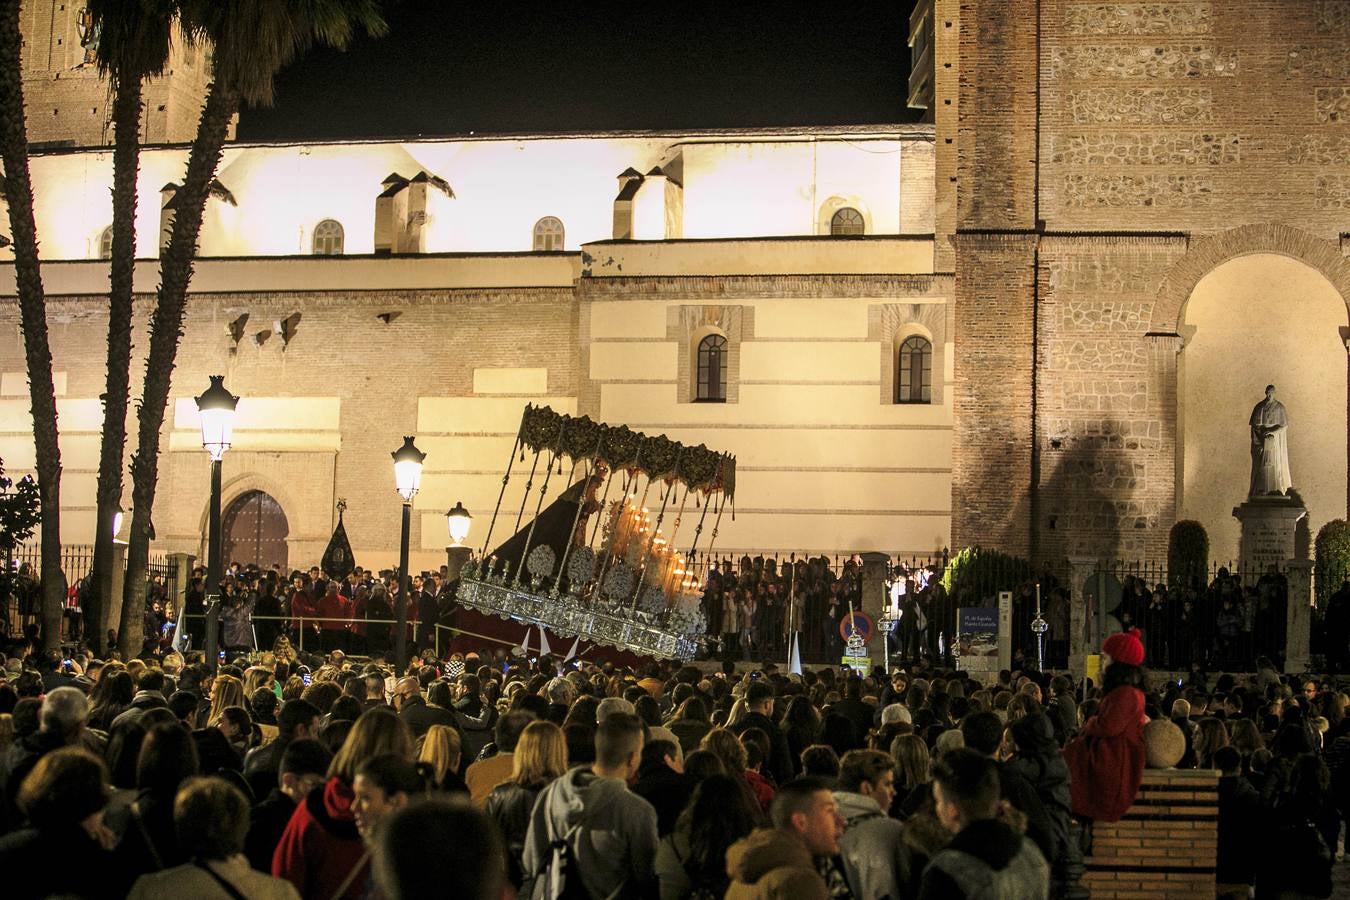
(257, 677)
(727, 747)
(738, 712)
(440, 748)
(376, 732)
(226, 691)
(911, 760)
(1211, 735)
(540, 755)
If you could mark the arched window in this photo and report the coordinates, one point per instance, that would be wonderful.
(105, 244)
(847, 221)
(712, 373)
(548, 233)
(914, 371)
(328, 236)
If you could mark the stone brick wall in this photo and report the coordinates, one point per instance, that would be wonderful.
(1166, 135)
(379, 375)
(1192, 115)
(66, 100)
(996, 139)
(1105, 398)
(993, 395)
(1167, 844)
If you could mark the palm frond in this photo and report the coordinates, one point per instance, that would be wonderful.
(254, 39)
(134, 36)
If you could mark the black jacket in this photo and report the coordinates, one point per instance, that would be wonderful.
(996, 847)
(861, 713)
(510, 806)
(666, 790)
(419, 716)
(267, 822)
(262, 766)
(779, 763)
(1240, 825)
(61, 862)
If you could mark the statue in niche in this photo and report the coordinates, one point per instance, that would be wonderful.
(1270, 448)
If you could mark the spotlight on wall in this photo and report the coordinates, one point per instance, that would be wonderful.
(261, 337)
(387, 317)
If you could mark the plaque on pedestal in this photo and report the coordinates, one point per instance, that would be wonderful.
(1269, 531)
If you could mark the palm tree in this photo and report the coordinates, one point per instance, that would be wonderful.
(134, 41)
(18, 188)
(252, 40)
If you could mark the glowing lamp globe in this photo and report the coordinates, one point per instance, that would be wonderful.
(408, 469)
(458, 521)
(216, 408)
(118, 515)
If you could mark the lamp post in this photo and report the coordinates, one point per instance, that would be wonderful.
(457, 521)
(216, 407)
(407, 479)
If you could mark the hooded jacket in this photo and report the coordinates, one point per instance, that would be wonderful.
(987, 861)
(609, 830)
(1039, 761)
(771, 864)
(876, 861)
(320, 846)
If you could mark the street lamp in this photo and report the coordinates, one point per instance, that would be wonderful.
(458, 520)
(118, 515)
(407, 479)
(216, 407)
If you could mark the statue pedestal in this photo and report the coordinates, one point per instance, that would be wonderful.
(1269, 532)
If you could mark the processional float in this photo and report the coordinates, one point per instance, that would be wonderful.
(602, 561)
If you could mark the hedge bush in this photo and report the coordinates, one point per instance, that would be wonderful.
(1187, 552)
(1332, 563)
(974, 576)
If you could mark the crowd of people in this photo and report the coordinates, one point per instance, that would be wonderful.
(319, 775)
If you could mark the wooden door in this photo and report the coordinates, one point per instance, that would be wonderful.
(255, 530)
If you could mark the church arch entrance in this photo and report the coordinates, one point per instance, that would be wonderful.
(1258, 319)
(254, 529)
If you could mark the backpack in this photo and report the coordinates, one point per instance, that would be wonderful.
(563, 878)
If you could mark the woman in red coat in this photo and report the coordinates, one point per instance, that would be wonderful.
(1106, 759)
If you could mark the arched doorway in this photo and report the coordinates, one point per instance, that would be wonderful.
(254, 529)
(1257, 319)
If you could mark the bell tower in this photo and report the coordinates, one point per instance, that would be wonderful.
(68, 104)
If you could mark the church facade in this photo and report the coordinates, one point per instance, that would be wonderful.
(1037, 323)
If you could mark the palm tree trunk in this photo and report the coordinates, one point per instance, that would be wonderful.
(33, 314)
(126, 162)
(166, 327)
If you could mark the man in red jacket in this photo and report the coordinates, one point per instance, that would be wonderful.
(303, 604)
(335, 614)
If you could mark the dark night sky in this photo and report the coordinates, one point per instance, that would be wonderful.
(520, 66)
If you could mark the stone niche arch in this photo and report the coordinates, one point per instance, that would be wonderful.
(1257, 316)
(1206, 254)
(249, 482)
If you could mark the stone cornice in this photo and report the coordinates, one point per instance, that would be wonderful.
(766, 286)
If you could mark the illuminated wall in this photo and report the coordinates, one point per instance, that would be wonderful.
(829, 461)
(722, 185)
